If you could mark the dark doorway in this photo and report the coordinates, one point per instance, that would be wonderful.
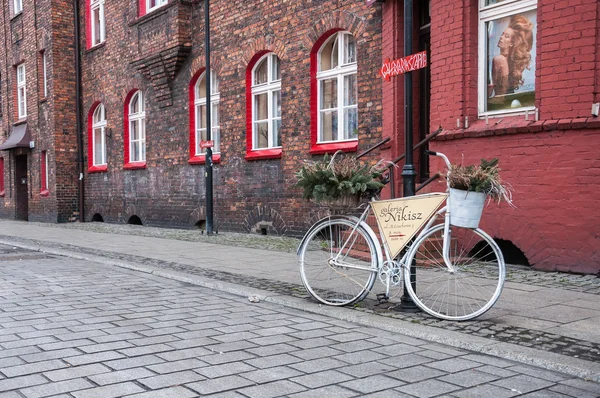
(22, 193)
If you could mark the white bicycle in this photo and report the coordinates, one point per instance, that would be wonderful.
(452, 272)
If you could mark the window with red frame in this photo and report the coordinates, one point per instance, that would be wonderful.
(337, 89)
(135, 130)
(200, 112)
(263, 102)
(44, 172)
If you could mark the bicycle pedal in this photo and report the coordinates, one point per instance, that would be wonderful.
(382, 298)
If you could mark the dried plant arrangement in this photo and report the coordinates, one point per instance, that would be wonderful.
(341, 176)
(484, 178)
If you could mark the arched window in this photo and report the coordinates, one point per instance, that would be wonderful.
(137, 128)
(263, 101)
(96, 127)
(200, 113)
(335, 93)
(99, 136)
(266, 103)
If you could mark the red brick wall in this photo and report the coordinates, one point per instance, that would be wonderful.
(552, 164)
(44, 25)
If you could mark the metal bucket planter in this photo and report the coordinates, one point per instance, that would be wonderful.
(466, 208)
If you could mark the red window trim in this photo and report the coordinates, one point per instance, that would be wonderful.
(98, 169)
(90, 136)
(316, 148)
(128, 164)
(196, 159)
(134, 166)
(192, 118)
(346, 146)
(201, 159)
(44, 182)
(88, 24)
(270, 153)
(259, 154)
(2, 191)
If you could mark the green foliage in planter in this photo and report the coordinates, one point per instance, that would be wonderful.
(481, 178)
(342, 175)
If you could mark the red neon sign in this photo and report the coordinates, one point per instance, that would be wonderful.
(403, 65)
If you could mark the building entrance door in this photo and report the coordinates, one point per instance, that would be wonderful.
(21, 183)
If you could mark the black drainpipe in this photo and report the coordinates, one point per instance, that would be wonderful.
(78, 111)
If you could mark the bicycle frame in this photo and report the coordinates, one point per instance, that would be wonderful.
(402, 262)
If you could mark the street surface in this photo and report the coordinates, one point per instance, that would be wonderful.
(75, 328)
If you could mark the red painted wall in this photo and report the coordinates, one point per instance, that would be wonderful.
(552, 164)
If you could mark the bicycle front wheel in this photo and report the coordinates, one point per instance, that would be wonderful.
(338, 262)
(470, 289)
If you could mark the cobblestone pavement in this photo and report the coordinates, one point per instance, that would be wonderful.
(72, 328)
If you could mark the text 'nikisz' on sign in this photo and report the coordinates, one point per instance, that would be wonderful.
(403, 65)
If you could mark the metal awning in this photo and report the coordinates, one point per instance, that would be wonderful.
(19, 138)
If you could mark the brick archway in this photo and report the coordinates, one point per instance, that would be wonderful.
(264, 217)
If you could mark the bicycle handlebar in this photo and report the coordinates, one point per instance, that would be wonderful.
(441, 155)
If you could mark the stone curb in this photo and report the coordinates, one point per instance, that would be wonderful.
(555, 362)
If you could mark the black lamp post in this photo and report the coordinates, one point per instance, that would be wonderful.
(408, 171)
(209, 163)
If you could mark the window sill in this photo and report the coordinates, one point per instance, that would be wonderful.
(2, 193)
(95, 47)
(20, 121)
(98, 169)
(43, 99)
(201, 159)
(346, 146)
(260, 154)
(135, 166)
(16, 15)
(44, 193)
(517, 125)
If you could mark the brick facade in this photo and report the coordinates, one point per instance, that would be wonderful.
(43, 26)
(161, 53)
(551, 163)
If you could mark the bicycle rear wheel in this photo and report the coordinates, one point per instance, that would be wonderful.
(466, 293)
(338, 266)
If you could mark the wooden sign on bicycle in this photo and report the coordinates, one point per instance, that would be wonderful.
(400, 219)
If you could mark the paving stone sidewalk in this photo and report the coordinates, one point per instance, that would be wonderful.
(78, 329)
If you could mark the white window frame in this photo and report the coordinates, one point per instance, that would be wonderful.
(137, 146)
(18, 6)
(270, 87)
(45, 74)
(99, 127)
(159, 3)
(21, 91)
(486, 14)
(215, 97)
(99, 6)
(340, 72)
